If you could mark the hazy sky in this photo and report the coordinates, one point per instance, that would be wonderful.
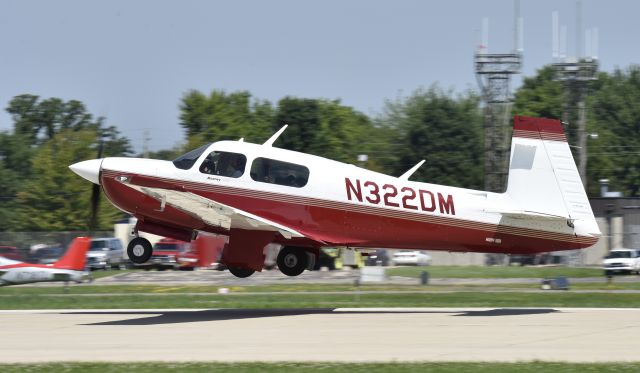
(131, 61)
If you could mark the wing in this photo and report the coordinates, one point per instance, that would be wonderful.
(212, 212)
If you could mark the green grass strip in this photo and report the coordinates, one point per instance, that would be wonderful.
(311, 300)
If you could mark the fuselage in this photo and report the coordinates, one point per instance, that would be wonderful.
(338, 204)
(15, 273)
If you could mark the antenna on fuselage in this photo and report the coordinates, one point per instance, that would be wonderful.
(406, 175)
(241, 139)
(275, 136)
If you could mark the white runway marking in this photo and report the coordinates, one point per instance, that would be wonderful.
(347, 334)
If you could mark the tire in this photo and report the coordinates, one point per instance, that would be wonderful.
(241, 272)
(292, 261)
(139, 250)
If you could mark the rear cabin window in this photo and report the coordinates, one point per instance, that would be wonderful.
(224, 164)
(270, 171)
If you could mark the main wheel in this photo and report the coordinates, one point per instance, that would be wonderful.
(241, 272)
(139, 250)
(292, 261)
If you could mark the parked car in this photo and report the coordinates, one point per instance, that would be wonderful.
(165, 254)
(411, 257)
(622, 261)
(105, 252)
(47, 254)
(11, 252)
(378, 258)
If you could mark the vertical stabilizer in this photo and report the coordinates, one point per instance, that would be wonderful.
(543, 177)
(76, 256)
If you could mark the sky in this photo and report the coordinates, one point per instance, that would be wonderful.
(132, 61)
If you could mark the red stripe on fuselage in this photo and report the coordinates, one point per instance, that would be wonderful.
(350, 224)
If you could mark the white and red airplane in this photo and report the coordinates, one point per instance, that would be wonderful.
(70, 267)
(258, 194)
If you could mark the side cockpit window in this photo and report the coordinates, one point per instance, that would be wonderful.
(271, 171)
(224, 164)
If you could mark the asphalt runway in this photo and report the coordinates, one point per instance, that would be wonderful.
(356, 335)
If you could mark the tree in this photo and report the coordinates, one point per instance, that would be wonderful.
(322, 127)
(40, 120)
(222, 116)
(56, 198)
(540, 96)
(36, 123)
(444, 130)
(615, 116)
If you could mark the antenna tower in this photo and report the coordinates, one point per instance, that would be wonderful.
(575, 73)
(493, 73)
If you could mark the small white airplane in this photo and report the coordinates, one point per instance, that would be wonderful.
(70, 267)
(257, 194)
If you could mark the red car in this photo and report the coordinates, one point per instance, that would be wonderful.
(169, 253)
(165, 254)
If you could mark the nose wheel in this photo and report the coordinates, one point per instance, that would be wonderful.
(139, 250)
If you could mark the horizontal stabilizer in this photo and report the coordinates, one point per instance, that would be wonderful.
(531, 215)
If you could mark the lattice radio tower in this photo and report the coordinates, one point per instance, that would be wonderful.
(493, 73)
(575, 73)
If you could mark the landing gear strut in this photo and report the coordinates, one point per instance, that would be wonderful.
(241, 272)
(292, 261)
(139, 250)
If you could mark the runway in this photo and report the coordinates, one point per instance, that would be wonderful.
(374, 335)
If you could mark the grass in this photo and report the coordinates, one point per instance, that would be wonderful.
(314, 300)
(494, 272)
(153, 367)
(297, 287)
(109, 272)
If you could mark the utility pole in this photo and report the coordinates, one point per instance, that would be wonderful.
(493, 73)
(145, 143)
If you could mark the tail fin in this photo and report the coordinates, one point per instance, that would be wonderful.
(76, 256)
(543, 177)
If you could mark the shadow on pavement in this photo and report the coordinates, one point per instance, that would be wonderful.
(176, 317)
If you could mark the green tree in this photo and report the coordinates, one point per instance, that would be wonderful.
(540, 96)
(37, 123)
(322, 127)
(56, 198)
(615, 115)
(442, 129)
(222, 116)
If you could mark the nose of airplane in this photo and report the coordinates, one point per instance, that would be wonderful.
(89, 170)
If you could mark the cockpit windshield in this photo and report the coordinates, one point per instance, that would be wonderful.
(186, 161)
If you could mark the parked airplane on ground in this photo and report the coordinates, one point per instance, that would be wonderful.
(258, 194)
(71, 267)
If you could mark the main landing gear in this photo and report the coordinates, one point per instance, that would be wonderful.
(293, 261)
(241, 272)
(139, 250)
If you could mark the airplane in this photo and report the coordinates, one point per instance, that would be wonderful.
(258, 194)
(70, 267)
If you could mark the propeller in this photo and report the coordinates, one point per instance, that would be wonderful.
(95, 198)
